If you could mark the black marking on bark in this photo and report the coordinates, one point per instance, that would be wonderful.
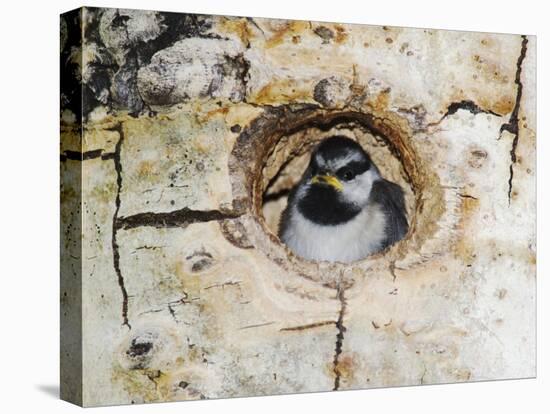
(153, 376)
(70, 83)
(113, 82)
(223, 285)
(178, 218)
(87, 155)
(308, 326)
(467, 196)
(82, 156)
(172, 313)
(324, 33)
(469, 106)
(146, 247)
(125, 79)
(512, 126)
(138, 349)
(339, 336)
(454, 107)
(253, 22)
(108, 156)
(392, 270)
(274, 196)
(116, 255)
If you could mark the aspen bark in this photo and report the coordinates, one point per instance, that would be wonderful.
(180, 136)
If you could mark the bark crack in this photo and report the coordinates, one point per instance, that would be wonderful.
(86, 155)
(257, 325)
(178, 218)
(466, 105)
(339, 336)
(512, 126)
(471, 197)
(308, 326)
(116, 253)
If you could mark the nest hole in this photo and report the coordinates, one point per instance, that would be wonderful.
(290, 155)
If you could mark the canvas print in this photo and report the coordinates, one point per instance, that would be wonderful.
(253, 206)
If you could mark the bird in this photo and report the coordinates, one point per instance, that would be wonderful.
(342, 209)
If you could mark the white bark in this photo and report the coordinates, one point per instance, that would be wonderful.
(187, 293)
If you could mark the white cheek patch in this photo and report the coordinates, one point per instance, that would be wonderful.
(358, 190)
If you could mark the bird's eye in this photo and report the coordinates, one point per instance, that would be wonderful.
(347, 174)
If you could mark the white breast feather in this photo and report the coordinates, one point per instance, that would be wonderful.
(346, 242)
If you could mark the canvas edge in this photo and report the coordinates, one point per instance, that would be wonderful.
(71, 358)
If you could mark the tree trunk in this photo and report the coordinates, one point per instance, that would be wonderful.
(174, 283)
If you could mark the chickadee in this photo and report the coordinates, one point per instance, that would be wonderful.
(342, 209)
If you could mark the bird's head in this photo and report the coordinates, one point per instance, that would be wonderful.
(337, 183)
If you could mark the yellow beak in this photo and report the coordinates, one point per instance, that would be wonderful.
(328, 179)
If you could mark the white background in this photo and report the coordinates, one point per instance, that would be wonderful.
(29, 263)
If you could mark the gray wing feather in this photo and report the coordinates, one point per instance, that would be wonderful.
(392, 202)
(285, 215)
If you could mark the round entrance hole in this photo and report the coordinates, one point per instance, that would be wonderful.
(271, 154)
(290, 157)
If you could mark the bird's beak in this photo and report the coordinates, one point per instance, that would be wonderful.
(328, 179)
